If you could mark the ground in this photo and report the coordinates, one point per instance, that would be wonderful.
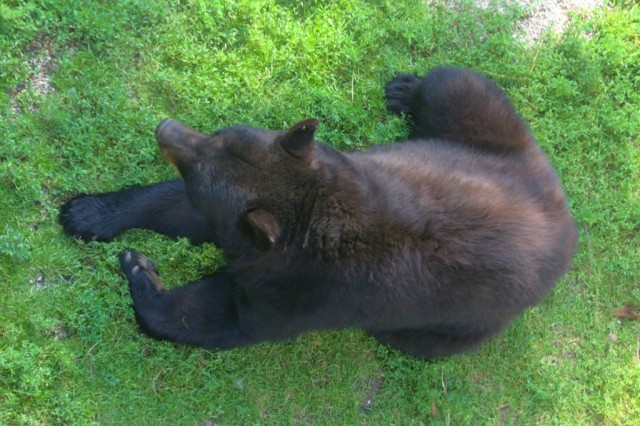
(81, 91)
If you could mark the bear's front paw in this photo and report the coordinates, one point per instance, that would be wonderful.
(88, 217)
(142, 274)
(400, 91)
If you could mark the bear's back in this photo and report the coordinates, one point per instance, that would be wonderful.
(470, 218)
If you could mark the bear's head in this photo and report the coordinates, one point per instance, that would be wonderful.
(255, 186)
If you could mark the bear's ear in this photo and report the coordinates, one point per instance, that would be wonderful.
(264, 229)
(298, 140)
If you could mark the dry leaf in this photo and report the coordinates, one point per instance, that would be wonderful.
(628, 311)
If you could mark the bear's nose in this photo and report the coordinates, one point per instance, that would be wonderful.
(178, 142)
(163, 123)
(172, 133)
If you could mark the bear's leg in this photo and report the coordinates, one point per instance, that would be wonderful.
(427, 343)
(163, 207)
(203, 313)
(458, 105)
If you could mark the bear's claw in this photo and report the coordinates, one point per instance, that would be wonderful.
(133, 264)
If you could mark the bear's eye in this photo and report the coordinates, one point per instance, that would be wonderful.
(242, 154)
(242, 159)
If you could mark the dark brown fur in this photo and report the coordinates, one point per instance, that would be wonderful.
(433, 245)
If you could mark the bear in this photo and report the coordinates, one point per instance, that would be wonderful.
(432, 245)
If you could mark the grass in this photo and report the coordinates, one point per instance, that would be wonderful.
(82, 86)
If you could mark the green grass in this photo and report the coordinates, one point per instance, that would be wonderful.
(70, 352)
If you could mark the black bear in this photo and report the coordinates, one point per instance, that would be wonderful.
(432, 245)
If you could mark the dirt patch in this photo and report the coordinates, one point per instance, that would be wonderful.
(42, 63)
(545, 15)
(372, 386)
(551, 15)
(60, 332)
(505, 416)
(39, 281)
(303, 419)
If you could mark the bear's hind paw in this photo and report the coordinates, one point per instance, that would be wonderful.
(399, 93)
(140, 272)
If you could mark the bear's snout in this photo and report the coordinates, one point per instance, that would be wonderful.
(177, 141)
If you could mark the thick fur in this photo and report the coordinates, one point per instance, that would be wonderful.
(433, 245)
